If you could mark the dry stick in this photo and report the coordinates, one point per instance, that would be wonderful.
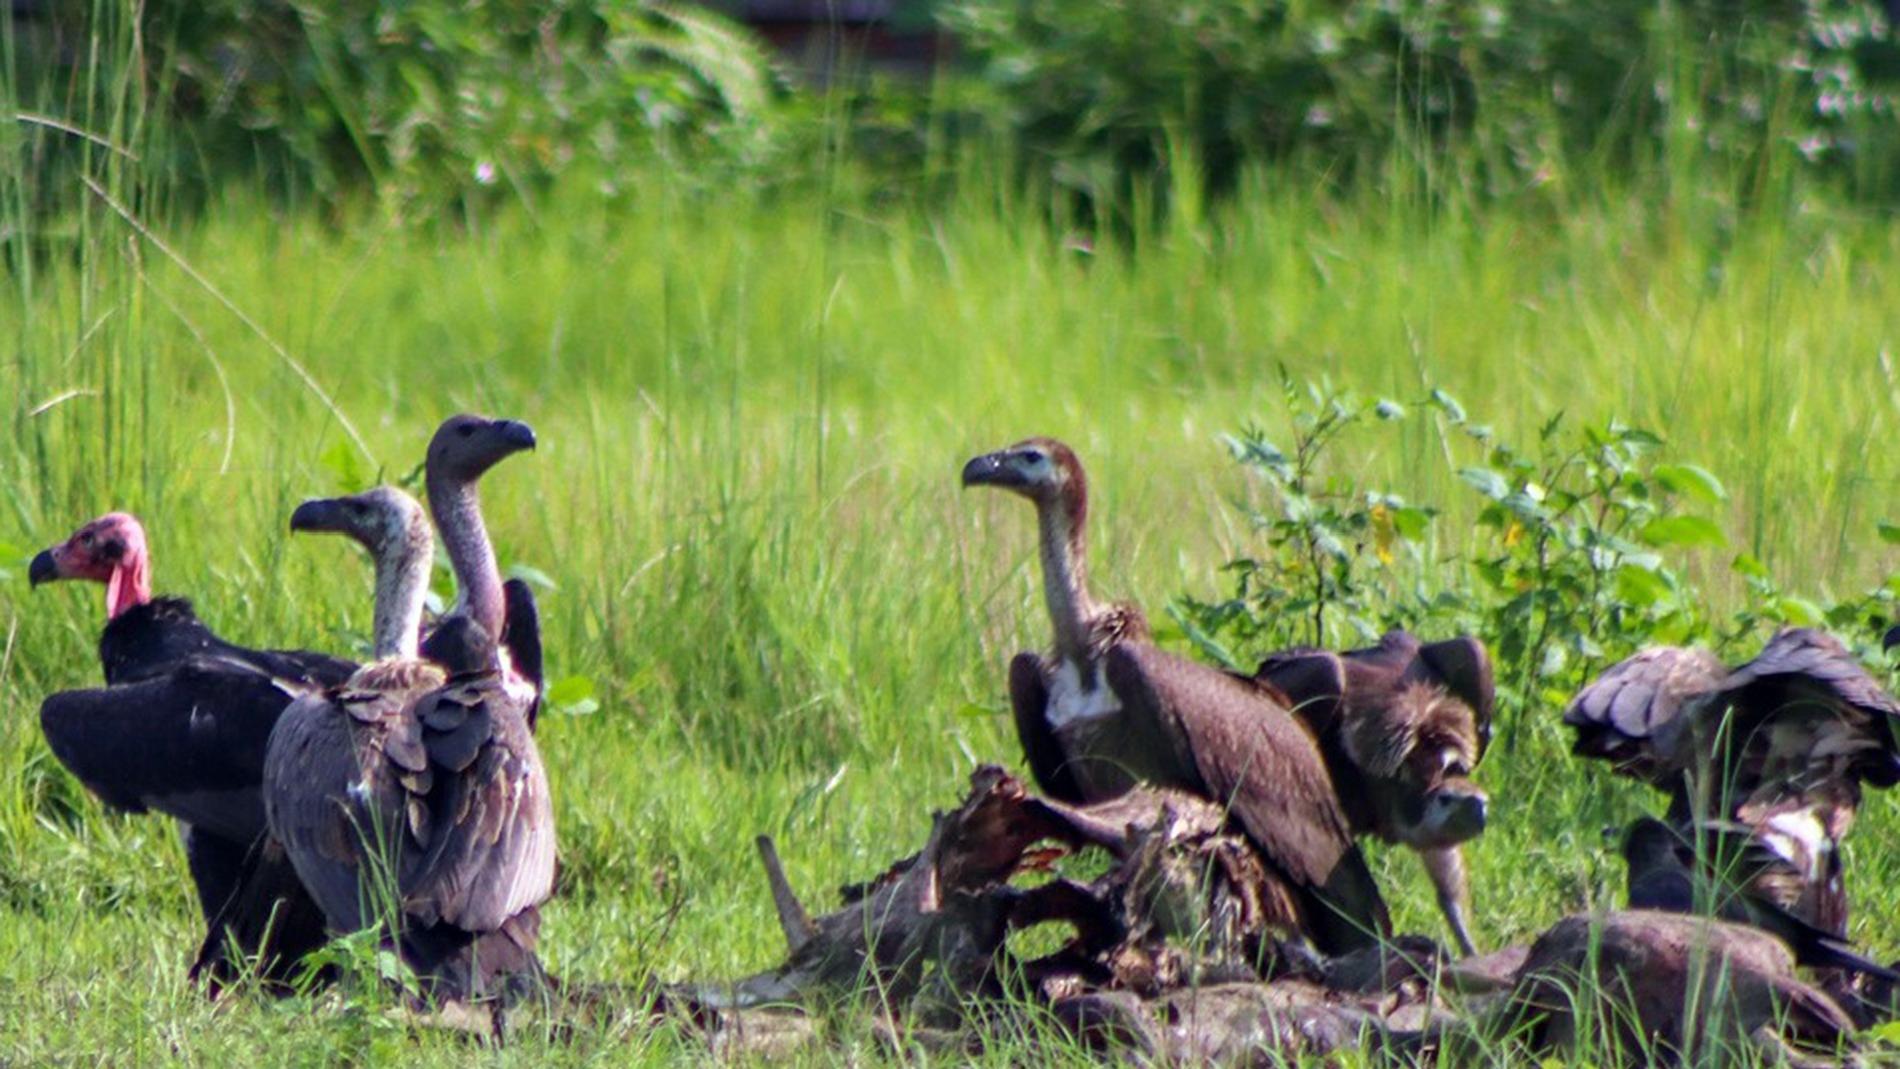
(65, 127)
(217, 366)
(791, 913)
(231, 306)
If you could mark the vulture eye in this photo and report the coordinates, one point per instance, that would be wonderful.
(85, 538)
(465, 430)
(1033, 456)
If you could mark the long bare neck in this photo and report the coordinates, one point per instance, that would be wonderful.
(130, 584)
(458, 516)
(1065, 578)
(402, 587)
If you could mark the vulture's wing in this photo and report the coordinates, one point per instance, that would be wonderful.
(484, 833)
(1262, 763)
(1463, 667)
(1806, 675)
(521, 633)
(328, 791)
(1313, 681)
(1029, 699)
(189, 742)
(1629, 714)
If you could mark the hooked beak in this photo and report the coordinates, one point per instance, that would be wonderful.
(317, 514)
(517, 434)
(44, 569)
(990, 469)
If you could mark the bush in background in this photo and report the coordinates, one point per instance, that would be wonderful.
(1112, 88)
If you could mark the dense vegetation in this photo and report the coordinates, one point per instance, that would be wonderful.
(1648, 396)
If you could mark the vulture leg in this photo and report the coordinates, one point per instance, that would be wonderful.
(1446, 867)
(216, 865)
(269, 917)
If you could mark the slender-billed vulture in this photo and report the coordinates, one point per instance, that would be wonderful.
(181, 725)
(1402, 724)
(1105, 710)
(412, 797)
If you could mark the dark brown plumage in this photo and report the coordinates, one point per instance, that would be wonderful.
(1779, 746)
(1106, 710)
(1401, 725)
(413, 796)
(1724, 870)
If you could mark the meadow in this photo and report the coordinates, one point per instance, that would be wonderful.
(769, 607)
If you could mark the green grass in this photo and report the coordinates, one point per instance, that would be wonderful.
(752, 411)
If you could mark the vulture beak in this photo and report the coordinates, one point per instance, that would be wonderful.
(517, 434)
(44, 568)
(991, 469)
(317, 514)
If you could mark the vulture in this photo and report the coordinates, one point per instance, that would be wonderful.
(181, 726)
(269, 915)
(1401, 725)
(412, 796)
(1734, 877)
(1780, 746)
(1106, 710)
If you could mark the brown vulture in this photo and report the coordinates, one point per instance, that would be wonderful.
(1402, 724)
(1722, 869)
(1780, 745)
(1105, 710)
(412, 797)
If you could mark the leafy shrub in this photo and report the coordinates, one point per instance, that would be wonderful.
(1567, 570)
(1121, 84)
(438, 95)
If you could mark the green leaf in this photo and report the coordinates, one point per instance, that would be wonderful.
(573, 695)
(1640, 586)
(1750, 565)
(1691, 481)
(1798, 611)
(1889, 533)
(1410, 522)
(346, 466)
(1449, 405)
(1683, 531)
(1487, 482)
(973, 711)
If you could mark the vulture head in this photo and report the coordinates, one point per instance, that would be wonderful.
(384, 521)
(1041, 469)
(1405, 723)
(466, 446)
(109, 550)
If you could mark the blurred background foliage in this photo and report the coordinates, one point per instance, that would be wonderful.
(1112, 99)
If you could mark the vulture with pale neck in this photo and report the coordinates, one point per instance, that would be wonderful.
(1780, 745)
(182, 724)
(412, 797)
(1105, 710)
(1402, 724)
(270, 916)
